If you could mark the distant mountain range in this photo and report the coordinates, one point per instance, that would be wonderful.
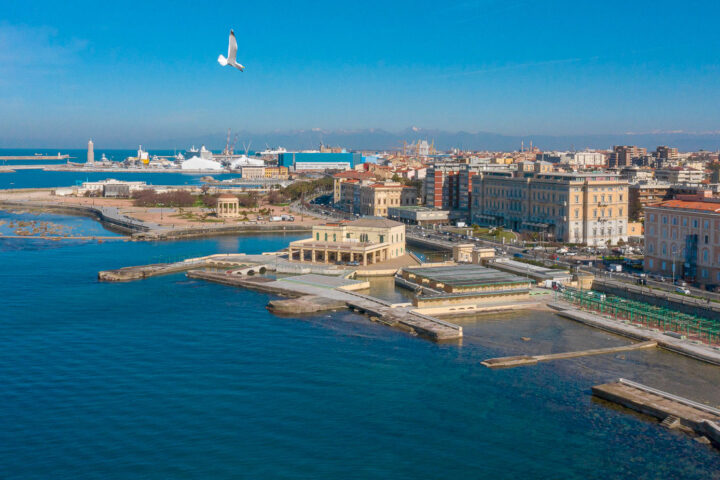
(378, 139)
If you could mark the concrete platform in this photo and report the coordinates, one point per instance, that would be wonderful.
(688, 348)
(672, 410)
(521, 360)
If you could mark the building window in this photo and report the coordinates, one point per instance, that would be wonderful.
(704, 273)
(664, 266)
(652, 217)
(651, 263)
(664, 220)
(684, 222)
(695, 223)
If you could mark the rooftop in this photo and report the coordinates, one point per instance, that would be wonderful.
(375, 222)
(690, 205)
(466, 275)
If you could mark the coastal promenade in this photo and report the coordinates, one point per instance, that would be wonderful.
(151, 231)
(689, 348)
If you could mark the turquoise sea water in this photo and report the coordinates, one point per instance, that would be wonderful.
(177, 378)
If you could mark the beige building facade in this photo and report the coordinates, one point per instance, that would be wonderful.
(362, 242)
(583, 208)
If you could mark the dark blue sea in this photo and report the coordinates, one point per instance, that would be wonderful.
(175, 378)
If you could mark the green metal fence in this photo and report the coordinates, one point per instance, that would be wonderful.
(651, 316)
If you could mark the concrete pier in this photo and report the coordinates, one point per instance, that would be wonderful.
(401, 316)
(672, 410)
(685, 347)
(521, 360)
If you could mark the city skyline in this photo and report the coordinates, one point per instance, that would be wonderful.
(517, 69)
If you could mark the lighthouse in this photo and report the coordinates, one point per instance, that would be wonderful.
(91, 153)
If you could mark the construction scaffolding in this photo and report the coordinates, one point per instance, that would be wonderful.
(640, 313)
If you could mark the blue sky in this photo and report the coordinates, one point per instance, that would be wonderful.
(126, 72)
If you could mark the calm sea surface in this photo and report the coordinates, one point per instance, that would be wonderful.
(37, 178)
(177, 378)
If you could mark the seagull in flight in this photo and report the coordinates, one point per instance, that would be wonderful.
(232, 54)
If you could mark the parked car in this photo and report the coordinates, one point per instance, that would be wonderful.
(682, 290)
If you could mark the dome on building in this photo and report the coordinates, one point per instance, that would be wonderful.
(197, 163)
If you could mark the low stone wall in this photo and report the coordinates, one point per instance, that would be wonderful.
(442, 301)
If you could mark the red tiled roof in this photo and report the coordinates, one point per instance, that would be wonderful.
(690, 205)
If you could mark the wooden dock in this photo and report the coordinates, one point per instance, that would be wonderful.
(522, 360)
(673, 411)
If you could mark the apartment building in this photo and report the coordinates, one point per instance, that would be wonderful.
(642, 194)
(666, 153)
(374, 198)
(341, 177)
(679, 175)
(449, 186)
(623, 155)
(583, 208)
(682, 238)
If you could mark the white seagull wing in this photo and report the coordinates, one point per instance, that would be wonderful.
(232, 48)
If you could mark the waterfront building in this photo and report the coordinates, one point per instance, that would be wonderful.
(228, 206)
(314, 161)
(682, 238)
(279, 172)
(584, 208)
(110, 187)
(463, 288)
(418, 215)
(252, 173)
(361, 242)
(90, 153)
